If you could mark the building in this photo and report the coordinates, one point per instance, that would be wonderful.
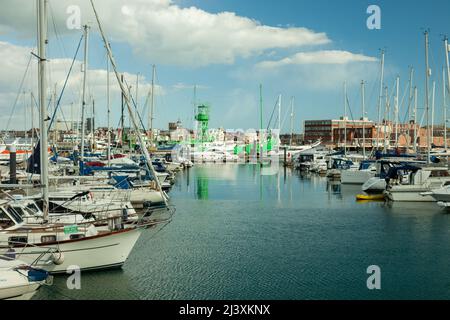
(387, 134)
(334, 133)
(297, 139)
(74, 125)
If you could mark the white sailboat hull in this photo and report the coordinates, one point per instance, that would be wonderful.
(91, 253)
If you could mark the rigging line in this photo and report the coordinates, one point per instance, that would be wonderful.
(60, 42)
(273, 111)
(135, 107)
(18, 94)
(65, 83)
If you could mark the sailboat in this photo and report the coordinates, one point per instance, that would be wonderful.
(84, 245)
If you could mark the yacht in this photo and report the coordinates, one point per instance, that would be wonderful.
(19, 280)
(85, 245)
(367, 169)
(414, 183)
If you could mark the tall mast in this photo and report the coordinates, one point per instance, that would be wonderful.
(444, 107)
(446, 87)
(411, 94)
(260, 110)
(142, 142)
(380, 97)
(42, 40)
(93, 124)
(432, 111)
(194, 102)
(345, 118)
(427, 107)
(153, 102)
(55, 130)
(32, 117)
(122, 114)
(292, 120)
(279, 114)
(363, 118)
(415, 120)
(83, 101)
(108, 106)
(386, 120)
(396, 110)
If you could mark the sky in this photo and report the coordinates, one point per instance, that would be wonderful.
(294, 48)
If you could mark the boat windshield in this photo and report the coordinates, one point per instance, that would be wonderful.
(13, 214)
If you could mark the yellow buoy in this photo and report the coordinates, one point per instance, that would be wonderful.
(370, 197)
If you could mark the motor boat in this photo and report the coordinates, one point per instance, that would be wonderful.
(413, 184)
(367, 169)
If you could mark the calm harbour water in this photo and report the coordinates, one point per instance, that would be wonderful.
(240, 235)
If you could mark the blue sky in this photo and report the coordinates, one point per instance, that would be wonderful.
(231, 86)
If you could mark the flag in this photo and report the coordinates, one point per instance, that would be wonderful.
(34, 161)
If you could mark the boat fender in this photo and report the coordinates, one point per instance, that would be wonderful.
(58, 258)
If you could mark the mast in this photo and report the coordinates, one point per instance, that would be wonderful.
(153, 102)
(380, 97)
(386, 120)
(122, 120)
(432, 111)
(93, 125)
(279, 114)
(363, 118)
(83, 101)
(427, 107)
(42, 40)
(415, 120)
(444, 107)
(411, 95)
(194, 118)
(292, 120)
(396, 110)
(345, 117)
(142, 142)
(32, 117)
(260, 112)
(108, 132)
(447, 87)
(55, 131)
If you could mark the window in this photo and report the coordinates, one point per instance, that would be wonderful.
(5, 220)
(19, 211)
(76, 236)
(31, 207)
(17, 240)
(14, 214)
(46, 239)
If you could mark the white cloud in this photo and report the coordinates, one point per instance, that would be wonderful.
(185, 86)
(336, 57)
(164, 32)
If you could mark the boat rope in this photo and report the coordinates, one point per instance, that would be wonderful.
(65, 83)
(18, 94)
